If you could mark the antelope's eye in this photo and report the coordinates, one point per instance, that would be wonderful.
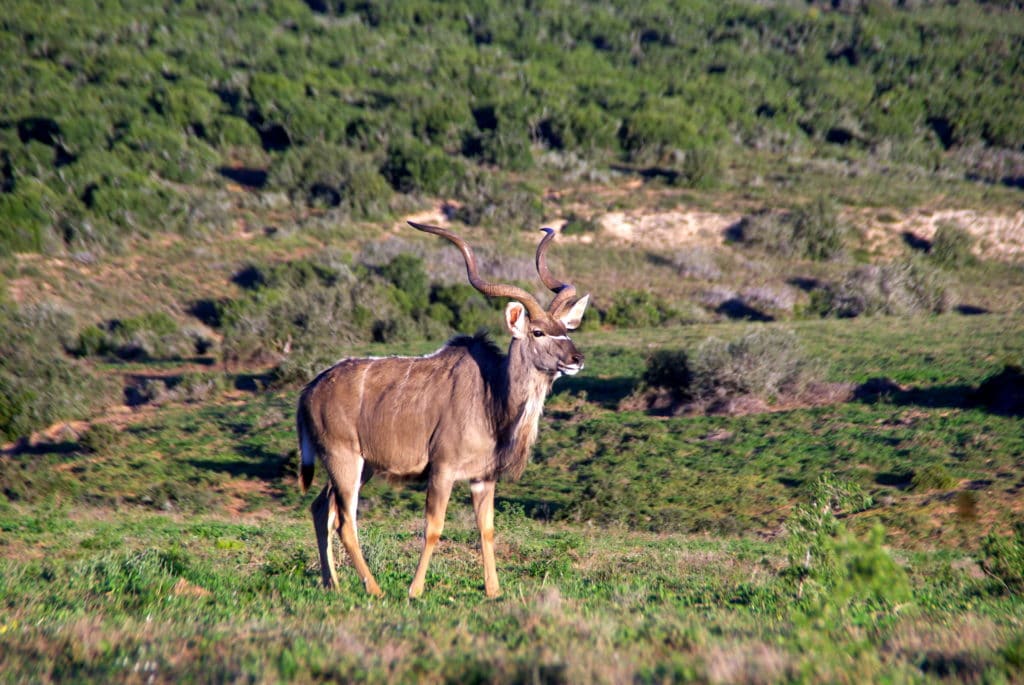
(538, 333)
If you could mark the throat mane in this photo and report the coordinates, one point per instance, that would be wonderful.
(517, 436)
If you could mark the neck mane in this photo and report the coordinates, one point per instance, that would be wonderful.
(519, 406)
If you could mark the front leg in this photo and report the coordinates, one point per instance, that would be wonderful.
(439, 489)
(483, 505)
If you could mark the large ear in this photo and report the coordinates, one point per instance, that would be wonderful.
(574, 317)
(516, 319)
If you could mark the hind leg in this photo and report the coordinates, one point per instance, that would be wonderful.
(325, 519)
(348, 477)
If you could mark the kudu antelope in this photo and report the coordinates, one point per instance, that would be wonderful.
(464, 412)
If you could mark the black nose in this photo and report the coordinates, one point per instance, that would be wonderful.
(577, 358)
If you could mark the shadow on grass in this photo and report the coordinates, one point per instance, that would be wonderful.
(1001, 395)
(24, 447)
(278, 470)
(607, 392)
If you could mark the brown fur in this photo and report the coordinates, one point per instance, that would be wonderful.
(395, 411)
(465, 412)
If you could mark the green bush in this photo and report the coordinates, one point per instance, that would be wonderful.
(27, 215)
(765, 362)
(933, 477)
(495, 202)
(465, 308)
(817, 230)
(38, 383)
(811, 231)
(231, 131)
(170, 153)
(638, 309)
(669, 369)
(652, 132)
(1002, 556)
(834, 570)
(898, 288)
(300, 313)
(503, 137)
(155, 335)
(952, 247)
(100, 438)
(579, 225)
(414, 167)
(332, 176)
(702, 168)
(584, 127)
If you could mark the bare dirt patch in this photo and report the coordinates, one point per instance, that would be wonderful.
(239, 493)
(667, 229)
(999, 235)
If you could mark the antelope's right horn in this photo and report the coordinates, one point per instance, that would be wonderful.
(564, 292)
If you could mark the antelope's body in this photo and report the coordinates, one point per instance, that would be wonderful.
(465, 412)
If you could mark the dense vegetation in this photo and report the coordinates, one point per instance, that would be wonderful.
(115, 118)
(794, 453)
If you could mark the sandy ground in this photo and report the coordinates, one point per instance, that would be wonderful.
(998, 235)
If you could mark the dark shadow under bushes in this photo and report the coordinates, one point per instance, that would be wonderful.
(766, 369)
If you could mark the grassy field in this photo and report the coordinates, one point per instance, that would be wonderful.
(868, 540)
(203, 204)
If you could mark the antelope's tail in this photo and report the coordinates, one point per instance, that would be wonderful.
(307, 451)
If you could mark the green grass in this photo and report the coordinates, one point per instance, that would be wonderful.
(634, 548)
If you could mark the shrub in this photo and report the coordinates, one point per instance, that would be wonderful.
(331, 176)
(503, 137)
(465, 308)
(190, 387)
(899, 289)
(933, 477)
(817, 230)
(412, 166)
(100, 437)
(952, 247)
(669, 369)
(27, 214)
(579, 225)
(1002, 556)
(834, 569)
(412, 287)
(702, 168)
(765, 362)
(150, 145)
(654, 130)
(299, 314)
(495, 202)
(580, 126)
(697, 262)
(638, 309)
(38, 383)
(234, 131)
(154, 335)
(811, 231)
